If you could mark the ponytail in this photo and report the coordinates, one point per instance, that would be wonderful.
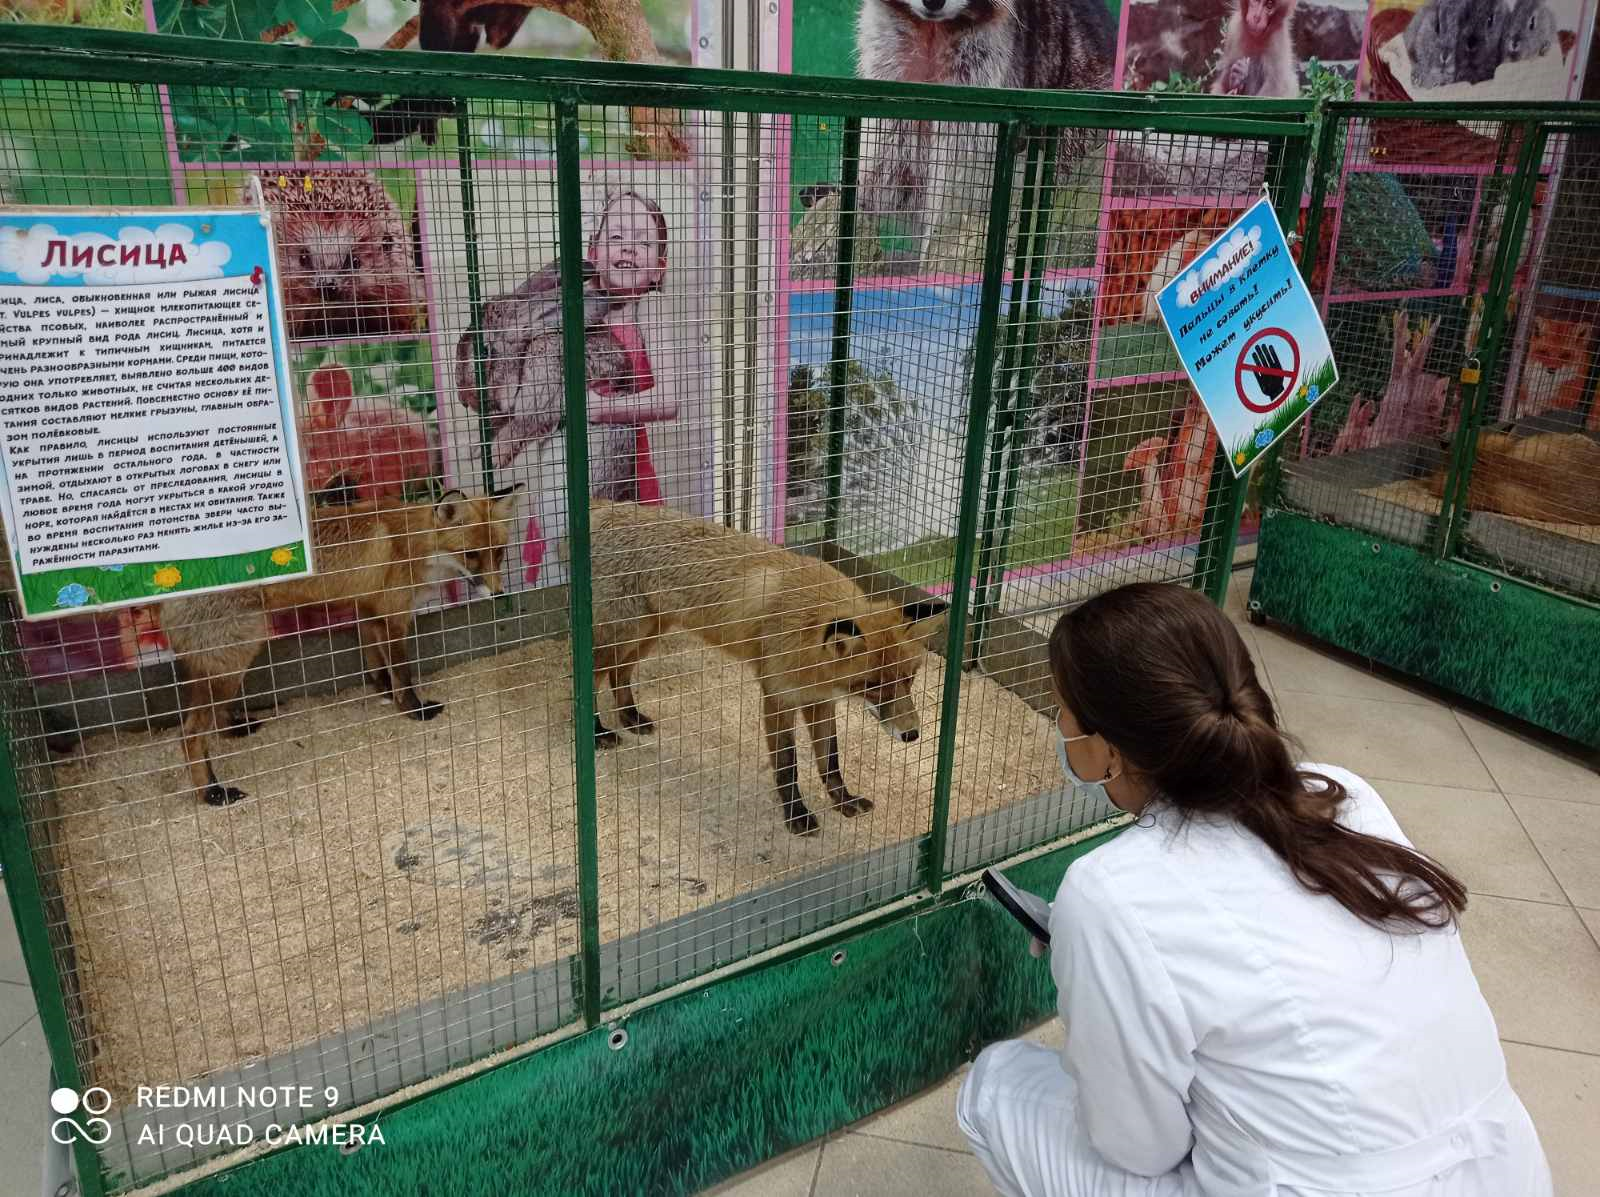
(1163, 675)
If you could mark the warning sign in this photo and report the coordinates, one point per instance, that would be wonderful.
(1247, 329)
(1269, 366)
(147, 438)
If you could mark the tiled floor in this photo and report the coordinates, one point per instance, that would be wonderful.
(1518, 820)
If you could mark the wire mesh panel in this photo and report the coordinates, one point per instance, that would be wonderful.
(1413, 219)
(1102, 467)
(695, 475)
(1459, 254)
(1532, 501)
(362, 849)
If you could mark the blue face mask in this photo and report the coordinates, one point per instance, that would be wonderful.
(1066, 766)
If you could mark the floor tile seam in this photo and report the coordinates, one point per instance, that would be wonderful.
(12, 1034)
(1538, 851)
(1547, 1047)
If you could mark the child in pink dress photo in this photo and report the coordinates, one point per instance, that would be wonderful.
(522, 376)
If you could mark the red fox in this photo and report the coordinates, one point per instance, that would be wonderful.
(1548, 477)
(810, 632)
(376, 555)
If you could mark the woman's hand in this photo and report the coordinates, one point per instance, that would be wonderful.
(1036, 949)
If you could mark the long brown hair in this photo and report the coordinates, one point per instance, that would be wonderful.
(1161, 673)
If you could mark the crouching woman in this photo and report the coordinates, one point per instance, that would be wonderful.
(1263, 986)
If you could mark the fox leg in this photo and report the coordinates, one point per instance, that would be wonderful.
(61, 734)
(375, 651)
(201, 697)
(212, 654)
(632, 717)
(240, 723)
(825, 747)
(778, 720)
(635, 651)
(605, 675)
(397, 629)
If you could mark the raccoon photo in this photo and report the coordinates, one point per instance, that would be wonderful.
(926, 170)
(345, 256)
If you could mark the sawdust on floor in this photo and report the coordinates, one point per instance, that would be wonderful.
(1412, 494)
(380, 862)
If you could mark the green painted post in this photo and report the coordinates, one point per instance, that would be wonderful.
(1519, 214)
(989, 601)
(1332, 134)
(1286, 181)
(569, 216)
(469, 233)
(843, 301)
(27, 906)
(1438, 529)
(994, 256)
(998, 441)
(1219, 532)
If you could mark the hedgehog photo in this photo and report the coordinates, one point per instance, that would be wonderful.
(344, 255)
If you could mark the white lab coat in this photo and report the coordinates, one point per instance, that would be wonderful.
(1230, 1034)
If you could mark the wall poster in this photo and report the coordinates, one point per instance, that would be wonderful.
(147, 426)
(714, 243)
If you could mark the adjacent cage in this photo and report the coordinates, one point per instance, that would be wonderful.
(656, 626)
(1460, 305)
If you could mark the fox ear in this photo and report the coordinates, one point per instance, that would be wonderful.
(505, 501)
(451, 507)
(927, 616)
(838, 632)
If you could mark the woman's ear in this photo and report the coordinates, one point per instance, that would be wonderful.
(1116, 766)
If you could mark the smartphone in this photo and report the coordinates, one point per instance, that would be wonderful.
(1031, 911)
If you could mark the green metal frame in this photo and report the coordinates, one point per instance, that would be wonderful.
(1005, 456)
(1491, 337)
(480, 353)
(94, 55)
(1514, 647)
(982, 394)
(1019, 119)
(28, 908)
(1430, 612)
(1219, 532)
(844, 291)
(714, 1082)
(569, 198)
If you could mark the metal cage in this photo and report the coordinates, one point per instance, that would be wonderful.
(398, 899)
(1440, 514)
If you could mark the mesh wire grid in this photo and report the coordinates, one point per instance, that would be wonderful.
(1413, 219)
(1532, 502)
(779, 344)
(1434, 225)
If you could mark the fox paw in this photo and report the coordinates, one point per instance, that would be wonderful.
(604, 737)
(639, 723)
(425, 711)
(850, 806)
(243, 726)
(217, 794)
(61, 743)
(803, 823)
